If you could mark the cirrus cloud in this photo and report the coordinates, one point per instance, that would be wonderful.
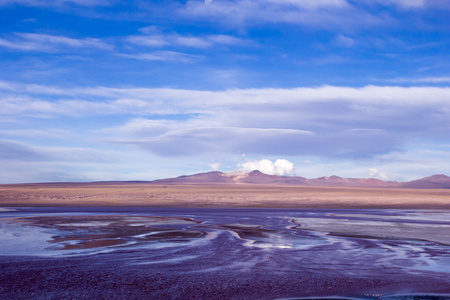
(58, 3)
(25, 41)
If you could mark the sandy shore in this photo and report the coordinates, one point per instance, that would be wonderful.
(245, 195)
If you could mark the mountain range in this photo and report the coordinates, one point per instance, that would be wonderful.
(257, 177)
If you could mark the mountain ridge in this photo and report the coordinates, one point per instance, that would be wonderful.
(440, 181)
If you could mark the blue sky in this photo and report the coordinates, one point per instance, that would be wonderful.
(140, 90)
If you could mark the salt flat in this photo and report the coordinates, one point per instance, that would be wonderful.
(218, 195)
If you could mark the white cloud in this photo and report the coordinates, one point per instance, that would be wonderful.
(201, 140)
(297, 108)
(435, 80)
(51, 3)
(169, 40)
(164, 56)
(267, 141)
(311, 4)
(215, 166)
(315, 13)
(411, 4)
(371, 95)
(344, 41)
(369, 126)
(375, 173)
(49, 43)
(405, 3)
(153, 37)
(321, 121)
(280, 167)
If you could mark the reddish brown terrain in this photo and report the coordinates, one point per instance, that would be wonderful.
(257, 177)
(157, 243)
(254, 189)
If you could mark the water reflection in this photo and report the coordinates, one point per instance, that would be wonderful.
(404, 240)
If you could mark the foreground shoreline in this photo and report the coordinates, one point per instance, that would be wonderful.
(218, 195)
(194, 253)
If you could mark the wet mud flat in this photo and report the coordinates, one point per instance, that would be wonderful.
(225, 254)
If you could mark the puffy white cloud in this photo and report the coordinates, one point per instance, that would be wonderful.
(378, 174)
(280, 167)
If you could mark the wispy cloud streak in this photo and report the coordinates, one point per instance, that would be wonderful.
(56, 3)
(49, 43)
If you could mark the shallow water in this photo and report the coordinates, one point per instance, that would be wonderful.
(312, 252)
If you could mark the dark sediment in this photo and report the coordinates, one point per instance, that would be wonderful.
(109, 276)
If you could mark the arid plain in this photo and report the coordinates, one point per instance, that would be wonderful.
(218, 195)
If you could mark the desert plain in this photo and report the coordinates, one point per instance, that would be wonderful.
(218, 195)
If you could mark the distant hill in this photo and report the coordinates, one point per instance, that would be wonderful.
(201, 178)
(257, 177)
(432, 182)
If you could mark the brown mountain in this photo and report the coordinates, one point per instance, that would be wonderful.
(201, 178)
(431, 182)
(350, 182)
(257, 177)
